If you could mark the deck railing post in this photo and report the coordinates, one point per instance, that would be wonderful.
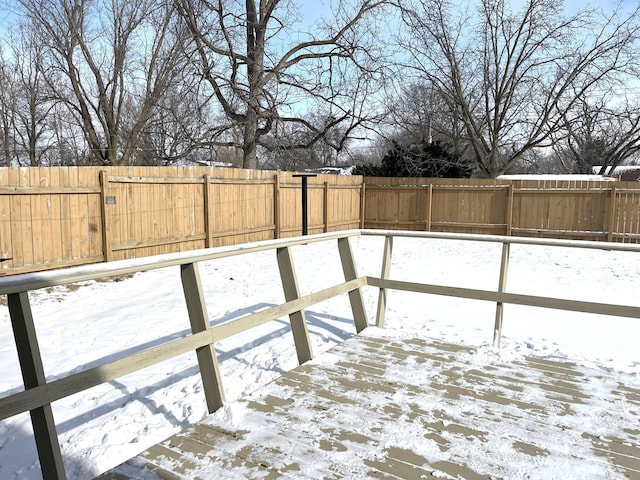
(386, 266)
(502, 285)
(292, 292)
(44, 427)
(199, 318)
(350, 273)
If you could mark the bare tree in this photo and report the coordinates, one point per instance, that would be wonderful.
(187, 124)
(413, 113)
(7, 114)
(600, 133)
(31, 100)
(101, 57)
(322, 153)
(420, 114)
(511, 75)
(264, 72)
(69, 146)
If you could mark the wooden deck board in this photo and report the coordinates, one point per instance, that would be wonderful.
(377, 407)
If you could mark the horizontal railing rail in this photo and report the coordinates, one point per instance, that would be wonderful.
(39, 393)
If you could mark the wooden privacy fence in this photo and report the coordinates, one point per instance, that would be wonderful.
(578, 210)
(65, 216)
(59, 217)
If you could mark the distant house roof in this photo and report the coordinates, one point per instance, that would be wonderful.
(556, 177)
(185, 162)
(332, 170)
(624, 173)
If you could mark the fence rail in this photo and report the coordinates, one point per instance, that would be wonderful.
(39, 394)
(68, 216)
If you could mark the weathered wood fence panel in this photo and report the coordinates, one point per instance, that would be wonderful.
(48, 218)
(579, 210)
(146, 216)
(334, 203)
(57, 217)
(625, 213)
(236, 218)
(582, 212)
(469, 207)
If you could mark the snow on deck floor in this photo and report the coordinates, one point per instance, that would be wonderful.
(386, 405)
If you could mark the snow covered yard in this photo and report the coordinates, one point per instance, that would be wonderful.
(104, 426)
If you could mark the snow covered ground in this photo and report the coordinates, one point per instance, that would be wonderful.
(81, 327)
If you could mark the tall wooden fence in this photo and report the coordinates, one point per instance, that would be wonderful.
(580, 210)
(58, 217)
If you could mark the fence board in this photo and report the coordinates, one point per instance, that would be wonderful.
(5, 224)
(66, 231)
(39, 224)
(94, 225)
(5, 232)
(290, 215)
(23, 214)
(54, 242)
(78, 238)
(627, 219)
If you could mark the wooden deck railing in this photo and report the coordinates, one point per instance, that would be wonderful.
(499, 296)
(39, 394)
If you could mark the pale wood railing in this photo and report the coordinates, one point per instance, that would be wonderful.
(39, 394)
(499, 296)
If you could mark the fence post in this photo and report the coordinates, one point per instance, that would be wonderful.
(362, 204)
(350, 273)
(613, 202)
(429, 206)
(199, 319)
(276, 206)
(325, 204)
(44, 427)
(207, 211)
(509, 213)
(502, 284)
(292, 292)
(386, 266)
(106, 234)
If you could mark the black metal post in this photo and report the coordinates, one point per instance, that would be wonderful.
(305, 220)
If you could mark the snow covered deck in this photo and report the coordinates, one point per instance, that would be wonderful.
(381, 405)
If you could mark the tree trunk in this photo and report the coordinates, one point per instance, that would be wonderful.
(249, 157)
